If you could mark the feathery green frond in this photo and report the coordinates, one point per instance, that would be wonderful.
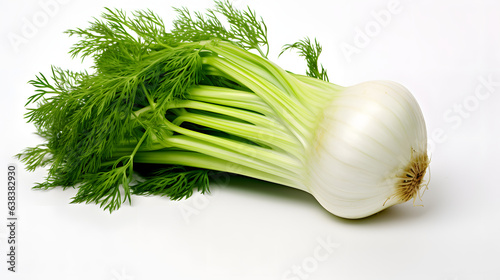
(245, 28)
(174, 182)
(310, 51)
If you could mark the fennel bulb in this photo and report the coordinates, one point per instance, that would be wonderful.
(370, 150)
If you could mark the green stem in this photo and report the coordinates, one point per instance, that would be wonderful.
(289, 111)
(198, 160)
(321, 90)
(263, 157)
(191, 144)
(244, 115)
(230, 97)
(148, 97)
(262, 135)
(130, 166)
(272, 73)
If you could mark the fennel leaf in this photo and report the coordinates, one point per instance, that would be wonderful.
(311, 52)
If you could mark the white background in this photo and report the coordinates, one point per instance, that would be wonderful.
(440, 50)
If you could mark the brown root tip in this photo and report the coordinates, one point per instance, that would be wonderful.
(411, 178)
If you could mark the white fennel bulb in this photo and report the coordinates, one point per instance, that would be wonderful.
(370, 150)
